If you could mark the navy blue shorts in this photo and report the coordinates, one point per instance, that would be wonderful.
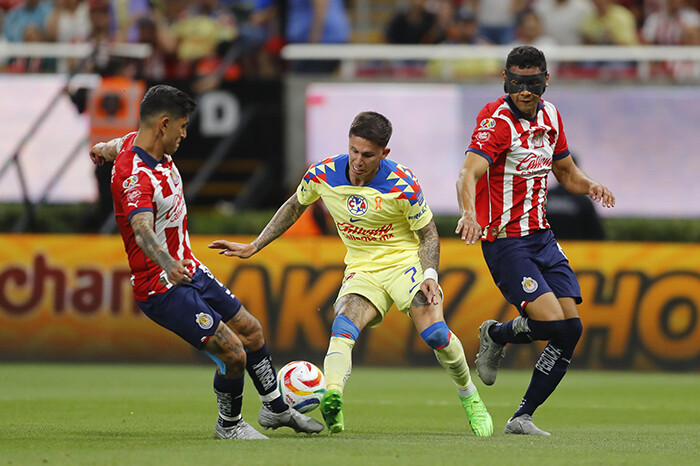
(526, 267)
(193, 310)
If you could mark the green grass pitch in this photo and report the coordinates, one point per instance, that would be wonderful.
(152, 415)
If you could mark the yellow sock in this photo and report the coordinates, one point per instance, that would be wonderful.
(451, 357)
(338, 363)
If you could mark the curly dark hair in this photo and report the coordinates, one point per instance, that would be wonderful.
(526, 56)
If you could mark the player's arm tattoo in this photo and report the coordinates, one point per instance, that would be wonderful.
(142, 224)
(429, 248)
(282, 220)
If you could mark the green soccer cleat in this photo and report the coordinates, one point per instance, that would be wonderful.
(479, 418)
(332, 411)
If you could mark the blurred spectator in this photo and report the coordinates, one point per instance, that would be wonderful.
(674, 24)
(163, 43)
(563, 19)
(610, 24)
(312, 22)
(27, 21)
(464, 30)
(496, 18)
(69, 23)
(573, 216)
(529, 30)
(204, 26)
(126, 14)
(416, 24)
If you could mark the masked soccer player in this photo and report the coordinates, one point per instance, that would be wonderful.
(393, 252)
(170, 285)
(502, 192)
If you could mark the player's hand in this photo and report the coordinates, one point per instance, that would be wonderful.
(231, 249)
(600, 193)
(469, 229)
(178, 272)
(96, 154)
(431, 290)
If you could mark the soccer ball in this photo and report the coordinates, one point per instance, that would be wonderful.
(302, 385)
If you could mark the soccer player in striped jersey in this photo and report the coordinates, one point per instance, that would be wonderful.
(170, 285)
(393, 252)
(502, 193)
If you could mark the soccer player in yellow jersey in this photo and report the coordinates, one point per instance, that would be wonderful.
(393, 252)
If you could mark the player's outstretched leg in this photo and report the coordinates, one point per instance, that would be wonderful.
(274, 412)
(490, 354)
(332, 411)
(337, 367)
(523, 425)
(450, 354)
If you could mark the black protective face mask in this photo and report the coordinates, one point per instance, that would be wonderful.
(535, 83)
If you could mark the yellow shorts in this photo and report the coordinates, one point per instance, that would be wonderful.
(393, 285)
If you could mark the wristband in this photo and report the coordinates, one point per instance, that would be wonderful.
(430, 273)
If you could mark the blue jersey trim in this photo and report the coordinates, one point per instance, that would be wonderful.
(481, 153)
(146, 157)
(140, 209)
(518, 114)
(562, 155)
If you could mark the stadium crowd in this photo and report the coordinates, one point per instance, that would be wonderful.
(244, 37)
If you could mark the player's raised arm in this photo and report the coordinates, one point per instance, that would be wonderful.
(472, 170)
(103, 152)
(280, 222)
(142, 223)
(429, 255)
(576, 181)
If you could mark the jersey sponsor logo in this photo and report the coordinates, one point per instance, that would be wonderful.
(174, 175)
(352, 232)
(177, 208)
(529, 285)
(133, 196)
(487, 123)
(130, 182)
(533, 162)
(419, 214)
(483, 136)
(204, 320)
(357, 205)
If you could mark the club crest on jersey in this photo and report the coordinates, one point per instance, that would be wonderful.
(174, 175)
(529, 285)
(487, 123)
(538, 140)
(130, 182)
(357, 205)
(204, 320)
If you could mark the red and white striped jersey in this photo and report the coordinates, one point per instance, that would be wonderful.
(141, 183)
(511, 196)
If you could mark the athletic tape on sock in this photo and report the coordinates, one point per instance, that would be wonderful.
(344, 327)
(437, 336)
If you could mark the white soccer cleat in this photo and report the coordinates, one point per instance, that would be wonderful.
(289, 418)
(241, 431)
(523, 425)
(489, 356)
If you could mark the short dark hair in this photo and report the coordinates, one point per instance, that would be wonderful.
(166, 99)
(526, 56)
(372, 126)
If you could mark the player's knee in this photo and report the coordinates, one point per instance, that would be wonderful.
(234, 362)
(437, 336)
(343, 327)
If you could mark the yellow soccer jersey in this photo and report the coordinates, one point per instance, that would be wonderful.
(377, 221)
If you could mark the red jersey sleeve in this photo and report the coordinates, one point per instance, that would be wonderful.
(561, 149)
(132, 191)
(491, 137)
